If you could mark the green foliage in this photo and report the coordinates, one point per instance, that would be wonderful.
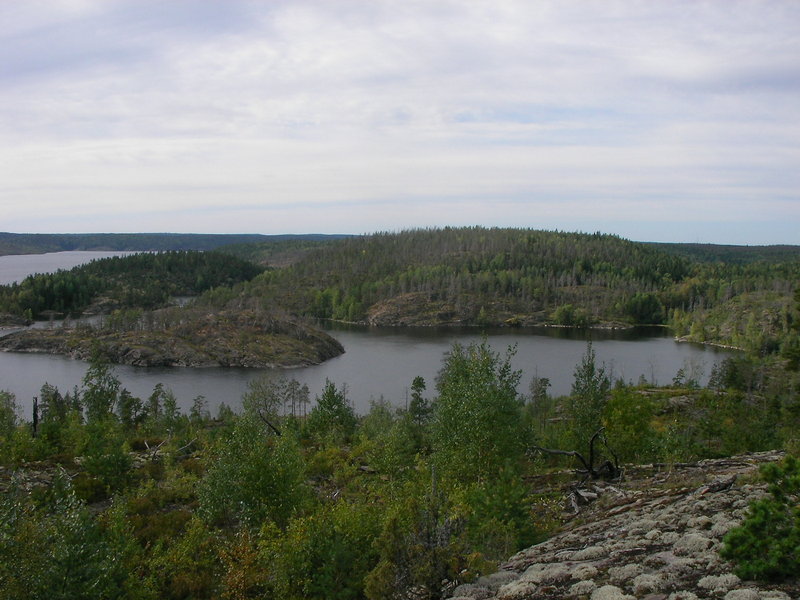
(389, 441)
(419, 409)
(100, 389)
(254, 476)
(264, 397)
(767, 544)
(476, 426)
(105, 457)
(569, 315)
(629, 419)
(587, 401)
(55, 550)
(130, 410)
(421, 546)
(645, 308)
(271, 399)
(500, 521)
(474, 275)
(8, 424)
(338, 506)
(326, 554)
(333, 416)
(144, 280)
(190, 567)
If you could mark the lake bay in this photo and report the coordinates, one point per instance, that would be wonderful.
(382, 363)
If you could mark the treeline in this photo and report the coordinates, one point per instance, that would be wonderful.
(287, 500)
(37, 243)
(280, 251)
(144, 280)
(507, 273)
(478, 276)
(731, 254)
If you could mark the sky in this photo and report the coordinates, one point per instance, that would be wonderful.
(674, 121)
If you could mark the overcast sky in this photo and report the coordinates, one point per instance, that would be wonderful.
(655, 120)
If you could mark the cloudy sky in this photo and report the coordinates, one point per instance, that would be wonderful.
(655, 120)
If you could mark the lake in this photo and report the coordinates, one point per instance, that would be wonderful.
(382, 363)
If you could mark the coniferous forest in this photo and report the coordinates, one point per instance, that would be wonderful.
(107, 495)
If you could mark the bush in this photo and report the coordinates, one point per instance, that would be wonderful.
(767, 544)
(254, 476)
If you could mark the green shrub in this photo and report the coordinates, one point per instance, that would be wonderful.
(767, 544)
(254, 475)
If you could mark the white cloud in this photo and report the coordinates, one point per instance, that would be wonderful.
(382, 113)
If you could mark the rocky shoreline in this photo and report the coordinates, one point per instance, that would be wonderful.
(655, 539)
(242, 339)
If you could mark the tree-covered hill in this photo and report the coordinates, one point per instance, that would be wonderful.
(729, 254)
(279, 251)
(477, 275)
(480, 276)
(144, 280)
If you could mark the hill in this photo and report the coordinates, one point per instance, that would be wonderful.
(146, 280)
(519, 277)
(734, 255)
(476, 276)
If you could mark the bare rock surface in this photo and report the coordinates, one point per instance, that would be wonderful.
(654, 536)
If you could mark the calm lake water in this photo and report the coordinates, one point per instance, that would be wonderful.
(382, 363)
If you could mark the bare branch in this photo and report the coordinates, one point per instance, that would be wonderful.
(271, 426)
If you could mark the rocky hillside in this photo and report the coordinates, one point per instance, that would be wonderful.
(654, 536)
(220, 339)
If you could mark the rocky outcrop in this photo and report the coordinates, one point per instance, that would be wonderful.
(658, 539)
(415, 310)
(225, 339)
(9, 320)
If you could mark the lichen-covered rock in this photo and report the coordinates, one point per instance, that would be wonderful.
(646, 583)
(624, 574)
(720, 528)
(496, 580)
(472, 592)
(542, 573)
(610, 592)
(700, 522)
(692, 544)
(642, 526)
(743, 594)
(774, 595)
(670, 537)
(516, 590)
(682, 595)
(653, 535)
(719, 584)
(590, 553)
(582, 588)
(582, 572)
(654, 545)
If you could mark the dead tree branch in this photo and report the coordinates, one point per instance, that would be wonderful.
(271, 426)
(606, 470)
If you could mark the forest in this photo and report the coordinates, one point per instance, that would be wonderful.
(145, 281)
(733, 296)
(108, 495)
